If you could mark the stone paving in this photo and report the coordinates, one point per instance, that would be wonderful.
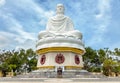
(67, 77)
(60, 80)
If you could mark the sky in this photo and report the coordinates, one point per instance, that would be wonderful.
(22, 20)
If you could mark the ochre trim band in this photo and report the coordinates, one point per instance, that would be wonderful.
(66, 67)
(60, 49)
(73, 67)
(48, 67)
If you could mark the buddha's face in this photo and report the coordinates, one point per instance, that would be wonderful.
(60, 9)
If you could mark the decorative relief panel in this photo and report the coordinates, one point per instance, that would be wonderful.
(42, 60)
(59, 58)
(77, 60)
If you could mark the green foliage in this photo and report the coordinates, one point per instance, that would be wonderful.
(18, 61)
(26, 60)
(12, 66)
(102, 55)
(94, 69)
(110, 66)
(117, 51)
(91, 59)
(108, 63)
(100, 61)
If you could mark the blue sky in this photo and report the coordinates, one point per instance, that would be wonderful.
(21, 21)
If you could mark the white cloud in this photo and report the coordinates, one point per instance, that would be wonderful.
(102, 22)
(25, 35)
(46, 15)
(2, 2)
(16, 35)
(12, 40)
(103, 6)
(42, 22)
(17, 28)
(103, 17)
(34, 7)
(27, 44)
(41, 13)
(6, 38)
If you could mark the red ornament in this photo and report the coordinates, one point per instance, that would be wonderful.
(59, 58)
(42, 60)
(77, 60)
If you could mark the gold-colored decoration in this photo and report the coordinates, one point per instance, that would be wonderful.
(60, 49)
(66, 67)
(73, 67)
(48, 67)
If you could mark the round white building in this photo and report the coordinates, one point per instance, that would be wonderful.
(60, 46)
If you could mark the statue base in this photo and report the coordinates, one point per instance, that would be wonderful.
(60, 51)
(64, 60)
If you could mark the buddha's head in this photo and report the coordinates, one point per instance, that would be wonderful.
(60, 9)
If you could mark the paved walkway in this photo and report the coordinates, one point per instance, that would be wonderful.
(59, 80)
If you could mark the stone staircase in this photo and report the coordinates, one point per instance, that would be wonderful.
(65, 74)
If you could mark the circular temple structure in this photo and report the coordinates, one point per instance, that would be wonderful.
(60, 51)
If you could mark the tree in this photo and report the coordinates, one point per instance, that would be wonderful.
(102, 55)
(108, 66)
(17, 61)
(117, 51)
(91, 59)
(31, 59)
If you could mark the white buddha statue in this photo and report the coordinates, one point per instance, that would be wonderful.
(60, 25)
